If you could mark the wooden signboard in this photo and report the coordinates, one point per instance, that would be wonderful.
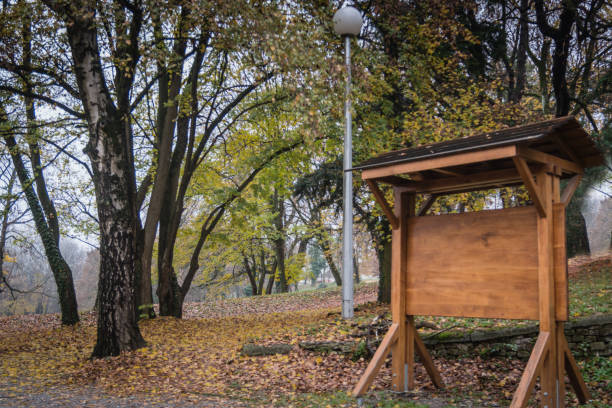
(509, 263)
(479, 264)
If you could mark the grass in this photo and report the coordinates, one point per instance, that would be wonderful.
(379, 399)
(591, 291)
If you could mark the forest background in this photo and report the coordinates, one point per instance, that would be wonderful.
(195, 146)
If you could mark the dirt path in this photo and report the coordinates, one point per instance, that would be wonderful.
(24, 394)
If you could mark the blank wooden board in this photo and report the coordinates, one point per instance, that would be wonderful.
(478, 264)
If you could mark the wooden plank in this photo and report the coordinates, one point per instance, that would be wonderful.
(536, 359)
(573, 372)
(441, 162)
(490, 179)
(382, 201)
(404, 204)
(527, 177)
(570, 189)
(377, 361)
(546, 288)
(560, 264)
(540, 157)
(427, 361)
(486, 268)
(560, 279)
(427, 204)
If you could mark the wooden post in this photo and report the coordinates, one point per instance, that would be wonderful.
(560, 281)
(546, 290)
(403, 207)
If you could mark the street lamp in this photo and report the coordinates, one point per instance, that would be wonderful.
(347, 23)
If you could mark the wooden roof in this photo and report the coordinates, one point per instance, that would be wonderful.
(488, 159)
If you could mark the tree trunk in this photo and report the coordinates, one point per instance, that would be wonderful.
(561, 36)
(521, 59)
(271, 280)
(384, 272)
(110, 152)
(263, 273)
(577, 239)
(251, 275)
(325, 247)
(170, 81)
(279, 242)
(356, 268)
(61, 271)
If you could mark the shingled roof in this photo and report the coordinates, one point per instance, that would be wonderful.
(563, 137)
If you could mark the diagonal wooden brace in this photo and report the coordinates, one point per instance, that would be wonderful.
(377, 361)
(525, 173)
(573, 372)
(427, 361)
(380, 199)
(532, 370)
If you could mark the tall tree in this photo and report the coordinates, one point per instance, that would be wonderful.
(109, 149)
(45, 227)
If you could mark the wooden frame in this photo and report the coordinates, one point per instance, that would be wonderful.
(543, 270)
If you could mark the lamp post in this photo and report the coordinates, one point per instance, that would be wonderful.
(347, 23)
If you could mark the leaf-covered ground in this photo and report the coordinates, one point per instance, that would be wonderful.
(197, 362)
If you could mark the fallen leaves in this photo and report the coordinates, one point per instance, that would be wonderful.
(199, 357)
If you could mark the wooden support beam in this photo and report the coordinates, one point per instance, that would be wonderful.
(377, 361)
(540, 157)
(489, 179)
(441, 162)
(546, 288)
(448, 172)
(570, 189)
(527, 177)
(410, 338)
(416, 176)
(382, 201)
(427, 205)
(560, 263)
(532, 370)
(404, 208)
(427, 361)
(395, 181)
(566, 149)
(573, 372)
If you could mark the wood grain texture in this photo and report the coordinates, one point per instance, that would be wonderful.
(440, 162)
(481, 264)
(534, 366)
(560, 264)
(427, 361)
(546, 288)
(530, 184)
(410, 334)
(573, 371)
(377, 361)
(404, 207)
(541, 157)
(570, 189)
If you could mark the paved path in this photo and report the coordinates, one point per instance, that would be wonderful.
(15, 394)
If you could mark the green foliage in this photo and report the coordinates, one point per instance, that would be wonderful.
(316, 261)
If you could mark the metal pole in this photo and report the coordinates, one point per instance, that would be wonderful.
(347, 227)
